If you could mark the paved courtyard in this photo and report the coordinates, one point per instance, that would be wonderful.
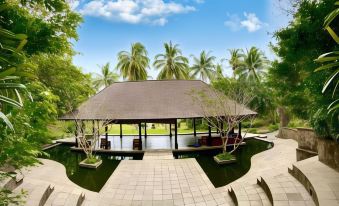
(160, 180)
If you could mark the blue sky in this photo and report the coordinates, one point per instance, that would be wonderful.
(111, 26)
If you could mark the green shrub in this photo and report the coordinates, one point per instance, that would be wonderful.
(252, 130)
(225, 156)
(260, 123)
(92, 160)
(273, 127)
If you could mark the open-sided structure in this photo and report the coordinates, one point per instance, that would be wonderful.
(153, 101)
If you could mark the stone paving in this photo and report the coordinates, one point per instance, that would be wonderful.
(160, 180)
(158, 155)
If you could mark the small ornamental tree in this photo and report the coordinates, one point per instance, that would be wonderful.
(224, 112)
(89, 142)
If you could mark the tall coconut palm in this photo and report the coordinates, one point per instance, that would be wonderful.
(235, 60)
(172, 64)
(133, 64)
(106, 77)
(204, 67)
(254, 65)
(218, 71)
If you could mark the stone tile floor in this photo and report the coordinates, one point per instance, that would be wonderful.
(158, 155)
(169, 182)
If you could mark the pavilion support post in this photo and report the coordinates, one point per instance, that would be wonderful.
(170, 127)
(120, 131)
(176, 135)
(140, 141)
(194, 128)
(93, 127)
(106, 136)
(145, 130)
(76, 134)
(239, 130)
(209, 135)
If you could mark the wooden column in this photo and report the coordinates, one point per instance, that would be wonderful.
(176, 135)
(209, 134)
(170, 130)
(120, 131)
(76, 134)
(145, 130)
(93, 127)
(106, 136)
(194, 128)
(140, 141)
(239, 130)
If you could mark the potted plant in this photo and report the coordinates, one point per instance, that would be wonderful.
(87, 143)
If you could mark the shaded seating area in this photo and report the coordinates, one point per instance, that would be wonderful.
(154, 101)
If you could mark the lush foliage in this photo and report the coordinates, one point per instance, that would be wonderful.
(63, 79)
(172, 64)
(296, 85)
(133, 65)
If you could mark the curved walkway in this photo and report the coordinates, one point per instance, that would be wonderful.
(168, 182)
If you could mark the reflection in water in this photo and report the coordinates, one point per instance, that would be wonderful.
(221, 175)
(91, 179)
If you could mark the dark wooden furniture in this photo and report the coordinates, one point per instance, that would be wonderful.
(104, 142)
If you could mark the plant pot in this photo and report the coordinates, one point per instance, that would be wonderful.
(90, 165)
(223, 162)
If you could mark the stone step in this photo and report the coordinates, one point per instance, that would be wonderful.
(36, 193)
(245, 195)
(66, 196)
(284, 189)
(321, 181)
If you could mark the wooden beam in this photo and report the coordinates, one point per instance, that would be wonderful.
(145, 130)
(176, 135)
(106, 135)
(140, 141)
(194, 128)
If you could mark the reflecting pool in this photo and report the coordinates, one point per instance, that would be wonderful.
(221, 175)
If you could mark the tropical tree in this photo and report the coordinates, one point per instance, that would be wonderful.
(10, 47)
(106, 77)
(203, 66)
(172, 64)
(219, 70)
(253, 65)
(235, 60)
(330, 59)
(133, 64)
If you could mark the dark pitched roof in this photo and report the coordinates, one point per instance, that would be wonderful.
(145, 100)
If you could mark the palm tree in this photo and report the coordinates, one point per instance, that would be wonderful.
(172, 64)
(106, 77)
(253, 65)
(203, 66)
(133, 65)
(235, 61)
(218, 71)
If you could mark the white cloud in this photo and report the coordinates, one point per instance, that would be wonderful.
(233, 22)
(250, 22)
(134, 11)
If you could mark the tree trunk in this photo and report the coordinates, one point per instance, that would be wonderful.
(284, 117)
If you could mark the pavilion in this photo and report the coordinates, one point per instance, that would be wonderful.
(153, 101)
